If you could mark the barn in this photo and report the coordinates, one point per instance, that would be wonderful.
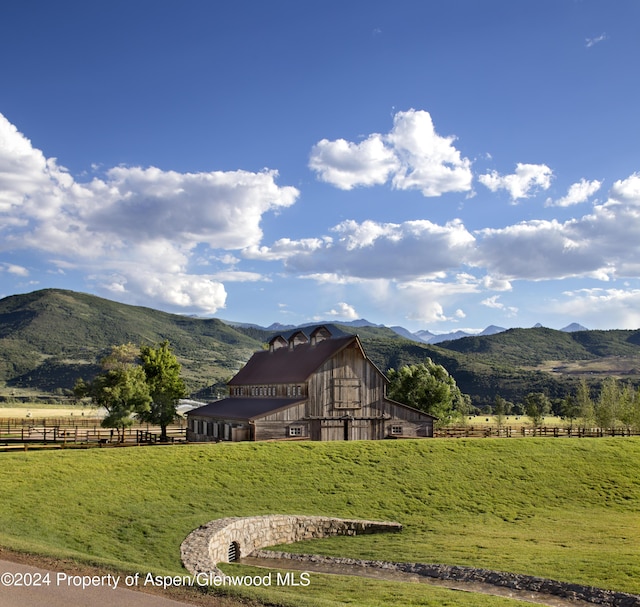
(308, 385)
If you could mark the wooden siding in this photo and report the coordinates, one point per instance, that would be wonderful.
(356, 378)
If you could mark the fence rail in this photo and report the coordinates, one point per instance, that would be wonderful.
(68, 432)
(512, 432)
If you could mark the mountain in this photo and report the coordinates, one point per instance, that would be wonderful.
(408, 335)
(436, 338)
(424, 335)
(492, 330)
(50, 338)
(573, 327)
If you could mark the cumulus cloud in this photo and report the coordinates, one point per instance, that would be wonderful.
(526, 180)
(626, 191)
(140, 224)
(346, 165)
(429, 163)
(343, 311)
(578, 192)
(601, 244)
(195, 292)
(412, 154)
(426, 299)
(371, 249)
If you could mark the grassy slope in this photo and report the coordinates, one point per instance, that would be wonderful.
(565, 509)
(51, 337)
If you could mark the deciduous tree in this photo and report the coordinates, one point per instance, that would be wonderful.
(428, 387)
(121, 388)
(166, 387)
(536, 406)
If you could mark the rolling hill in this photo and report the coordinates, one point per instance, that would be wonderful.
(49, 338)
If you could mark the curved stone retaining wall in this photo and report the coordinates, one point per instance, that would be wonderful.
(514, 581)
(209, 544)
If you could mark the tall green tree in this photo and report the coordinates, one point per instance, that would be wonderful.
(121, 388)
(428, 387)
(586, 411)
(536, 406)
(606, 407)
(569, 409)
(627, 406)
(499, 410)
(166, 387)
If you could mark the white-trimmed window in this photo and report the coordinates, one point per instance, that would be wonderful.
(396, 430)
(295, 430)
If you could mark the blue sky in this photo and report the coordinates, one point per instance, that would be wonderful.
(435, 165)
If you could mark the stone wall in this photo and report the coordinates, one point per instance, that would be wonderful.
(209, 544)
(576, 592)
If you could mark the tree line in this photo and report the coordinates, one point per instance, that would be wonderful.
(429, 387)
(615, 405)
(141, 381)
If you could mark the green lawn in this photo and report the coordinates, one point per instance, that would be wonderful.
(567, 509)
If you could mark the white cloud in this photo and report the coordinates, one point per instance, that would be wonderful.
(284, 248)
(602, 307)
(523, 183)
(430, 163)
(141, 224)
(347, 165)
(492, 302)
(343, 310)
(627, 191)
(12, 268)
(577, 193)
(589, 42)
(602, 244)
(371, 250)
(412, 154)
(426, 299)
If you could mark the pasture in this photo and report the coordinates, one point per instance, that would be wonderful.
(567, 509)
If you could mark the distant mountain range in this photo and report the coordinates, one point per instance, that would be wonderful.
(423, 336)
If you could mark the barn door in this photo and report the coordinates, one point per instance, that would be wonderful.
(347, 429)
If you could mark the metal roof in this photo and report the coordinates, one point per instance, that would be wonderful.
(244, 408)
(287, 366)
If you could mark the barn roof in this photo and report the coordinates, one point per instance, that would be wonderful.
(291, 365)
(243, 408)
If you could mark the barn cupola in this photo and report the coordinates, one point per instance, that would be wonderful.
(319, 334)
(276, 343)
(297, 338)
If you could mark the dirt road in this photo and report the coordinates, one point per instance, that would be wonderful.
(65, 590)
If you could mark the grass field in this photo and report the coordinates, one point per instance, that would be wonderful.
(566, 509)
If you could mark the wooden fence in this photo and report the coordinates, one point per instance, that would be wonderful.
(70, 432)
(510, 432)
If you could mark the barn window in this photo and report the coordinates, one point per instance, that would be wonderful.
(295, 431)
(396, 430)
(234, 552)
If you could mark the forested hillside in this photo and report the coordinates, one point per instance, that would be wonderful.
(49, 338)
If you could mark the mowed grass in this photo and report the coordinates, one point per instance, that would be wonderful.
(566, 509)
